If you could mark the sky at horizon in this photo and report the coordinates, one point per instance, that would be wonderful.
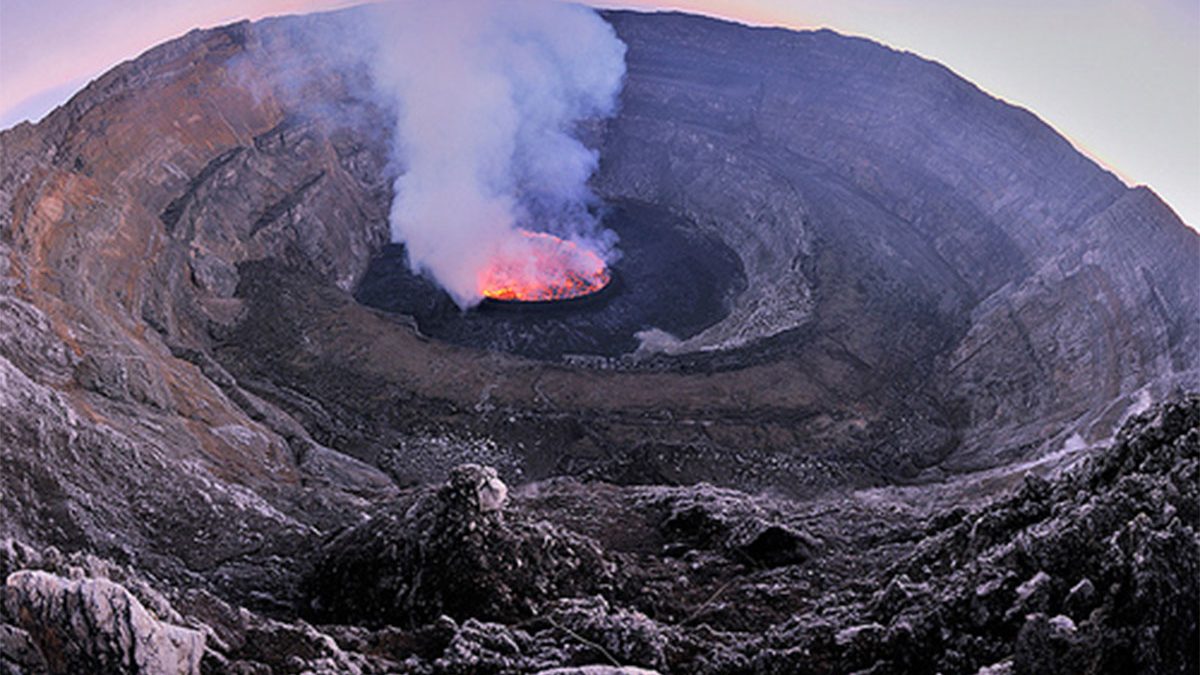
(1119, 78)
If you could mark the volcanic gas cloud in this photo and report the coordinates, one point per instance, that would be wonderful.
(492, 198)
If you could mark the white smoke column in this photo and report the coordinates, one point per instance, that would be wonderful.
(487, 95)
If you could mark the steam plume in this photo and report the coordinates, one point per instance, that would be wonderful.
(487, 95)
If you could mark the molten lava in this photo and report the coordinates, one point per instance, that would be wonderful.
(540, 267)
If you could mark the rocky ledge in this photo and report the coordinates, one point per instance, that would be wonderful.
(1092, 570)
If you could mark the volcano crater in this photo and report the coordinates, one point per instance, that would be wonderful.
(670, 277)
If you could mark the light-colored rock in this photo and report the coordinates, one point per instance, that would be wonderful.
(599, 670)
(95, 625)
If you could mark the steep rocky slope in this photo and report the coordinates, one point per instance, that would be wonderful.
(994, 249)
(932, 282)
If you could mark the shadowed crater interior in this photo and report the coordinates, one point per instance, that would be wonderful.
(668, 277)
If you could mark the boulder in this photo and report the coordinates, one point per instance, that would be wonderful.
(452, 550)
(94, 625)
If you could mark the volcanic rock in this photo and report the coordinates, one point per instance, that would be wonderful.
(452, 551)
(597, 670)
(878, 427)
(1080, 599)
(92, 625)
(1125, 518)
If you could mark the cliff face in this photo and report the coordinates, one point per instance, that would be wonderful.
(124, 215)
(910, 222)
(934, 282)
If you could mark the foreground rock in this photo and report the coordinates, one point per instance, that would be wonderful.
(1094, 571)
(61, 625)
(452, 551)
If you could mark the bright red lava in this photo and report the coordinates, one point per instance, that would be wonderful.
(540, 267)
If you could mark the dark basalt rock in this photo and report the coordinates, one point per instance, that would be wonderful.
(931, 591)
(452, 551)
(772, 545)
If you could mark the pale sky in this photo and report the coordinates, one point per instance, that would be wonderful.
(1120, 78)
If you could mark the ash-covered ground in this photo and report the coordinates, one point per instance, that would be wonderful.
(895, 381)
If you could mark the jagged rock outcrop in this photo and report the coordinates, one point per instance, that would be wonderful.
(452, 552)
(91, 625)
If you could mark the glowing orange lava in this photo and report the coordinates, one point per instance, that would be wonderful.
(539, 267)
